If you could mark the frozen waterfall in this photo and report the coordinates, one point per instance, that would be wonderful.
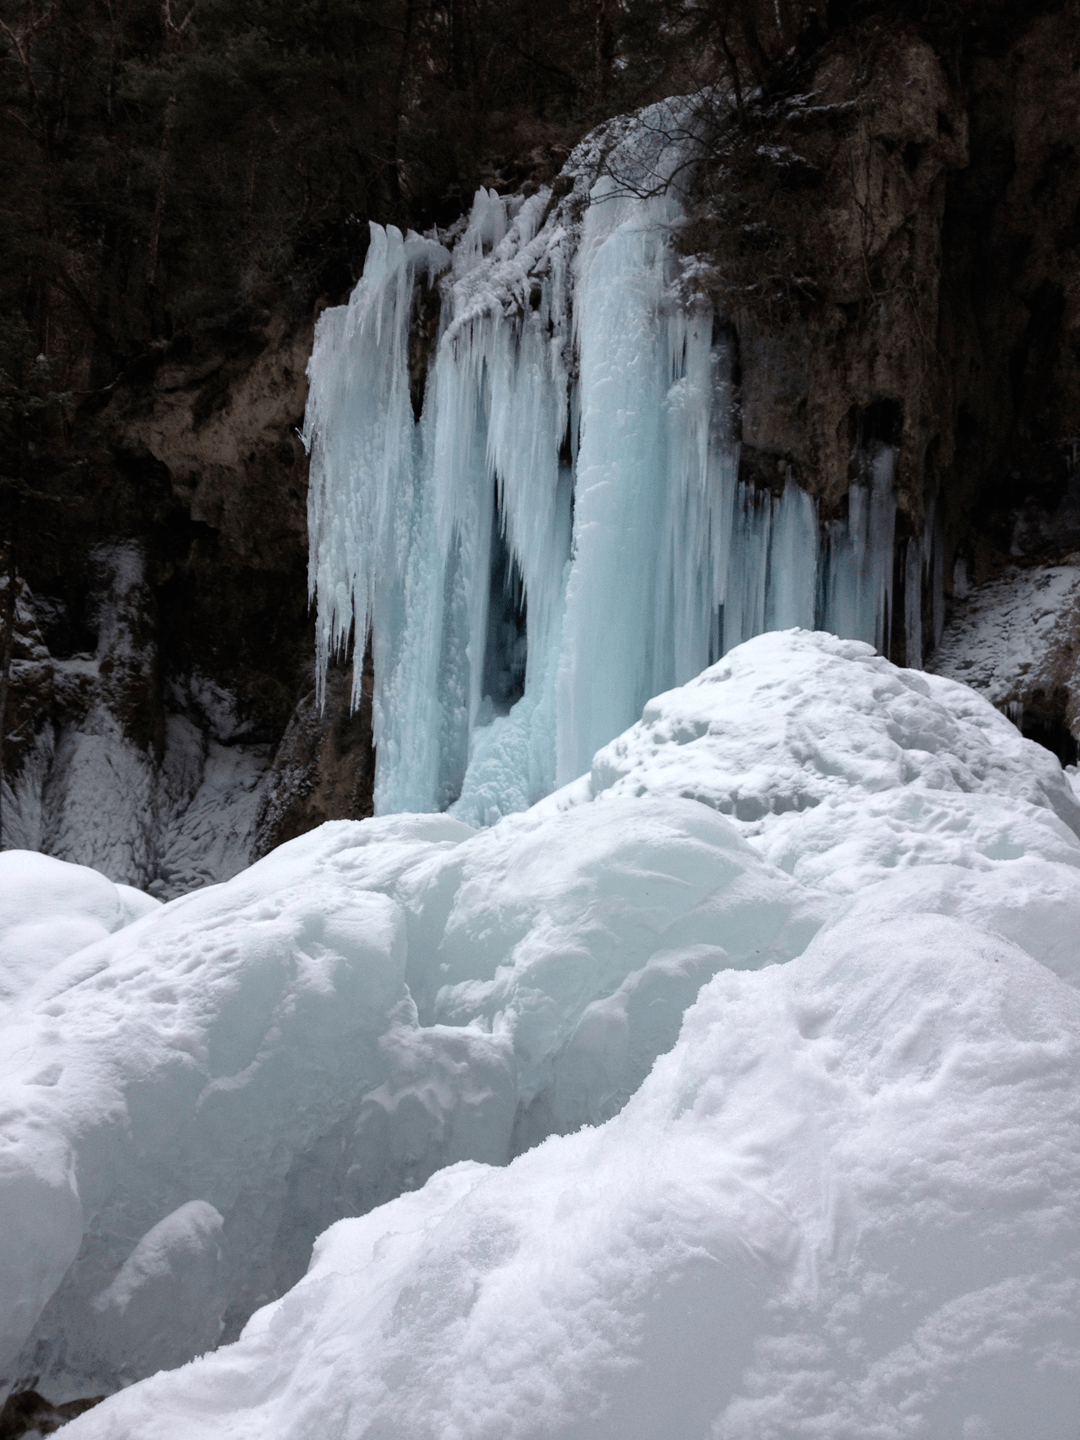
(538, 516)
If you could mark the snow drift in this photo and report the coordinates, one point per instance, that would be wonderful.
(49, 909)
(843, 1205)
(875, 1130)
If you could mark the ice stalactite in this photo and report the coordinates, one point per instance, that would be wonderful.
(561, 532)
(859, 572)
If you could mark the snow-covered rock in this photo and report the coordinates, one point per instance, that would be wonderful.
(1014, 639)
(87, 782)
(843, 1194)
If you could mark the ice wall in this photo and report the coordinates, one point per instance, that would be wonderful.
(541, 524)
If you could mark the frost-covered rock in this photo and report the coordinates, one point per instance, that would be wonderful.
(189, 1102)
(842, 1206)
(86, 781)
(1016, 640)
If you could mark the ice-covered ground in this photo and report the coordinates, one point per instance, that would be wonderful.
(840, 1204)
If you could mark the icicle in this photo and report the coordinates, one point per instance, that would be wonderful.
(859, 568)
(793, 561)
(608, 661)
(913, 573)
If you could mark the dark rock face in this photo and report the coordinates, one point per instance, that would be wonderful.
(324, 767)
(163, 640)
(835, 289)
(893, 229)
(27, 1412)
(904, 236)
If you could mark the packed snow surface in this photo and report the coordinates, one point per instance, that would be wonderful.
(731, 1090)
(49, 909)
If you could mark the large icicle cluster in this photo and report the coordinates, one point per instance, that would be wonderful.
(559, 479)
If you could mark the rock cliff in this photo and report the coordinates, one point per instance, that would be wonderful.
(889, 220)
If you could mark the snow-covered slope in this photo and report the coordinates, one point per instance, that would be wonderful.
(845, 1193)
(843, 1206)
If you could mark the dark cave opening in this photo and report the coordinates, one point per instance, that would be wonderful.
(1052, 733)
(506, 642)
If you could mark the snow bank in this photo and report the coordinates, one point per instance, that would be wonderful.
(49, 909)
(366, 1005)
(919, 769)
(195, 1057)
(814, 1188)
(843, 1205)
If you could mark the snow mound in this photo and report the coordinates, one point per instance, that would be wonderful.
(843, 1205)
(841, 767)
(366, 1005)
(839, 1156)
(49, 909)
(584, 935)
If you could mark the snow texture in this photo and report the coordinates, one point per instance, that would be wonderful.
(49, 909)
(570, 486)
(922, 771)
(840, 1203)
(843, 1205)
(1004, 636)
